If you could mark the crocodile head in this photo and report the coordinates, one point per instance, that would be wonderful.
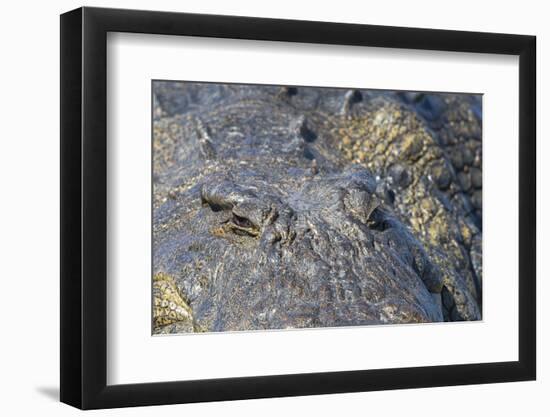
(259, 222)
(260, 250)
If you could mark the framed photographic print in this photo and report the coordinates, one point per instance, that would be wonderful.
(256, 208)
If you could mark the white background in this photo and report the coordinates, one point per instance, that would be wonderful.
(134, 356)
(29, 213)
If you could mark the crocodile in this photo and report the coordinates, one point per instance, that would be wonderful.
(278, 207)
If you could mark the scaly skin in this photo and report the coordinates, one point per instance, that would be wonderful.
(290, 208)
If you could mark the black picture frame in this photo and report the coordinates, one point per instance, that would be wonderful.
(84, 207)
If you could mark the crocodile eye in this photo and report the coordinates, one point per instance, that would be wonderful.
(377, 220)
(242, 222)
(243, 226)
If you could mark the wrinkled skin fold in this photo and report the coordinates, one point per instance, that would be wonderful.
(282, 207)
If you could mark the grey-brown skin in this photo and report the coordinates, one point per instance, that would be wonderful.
(266, 216)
